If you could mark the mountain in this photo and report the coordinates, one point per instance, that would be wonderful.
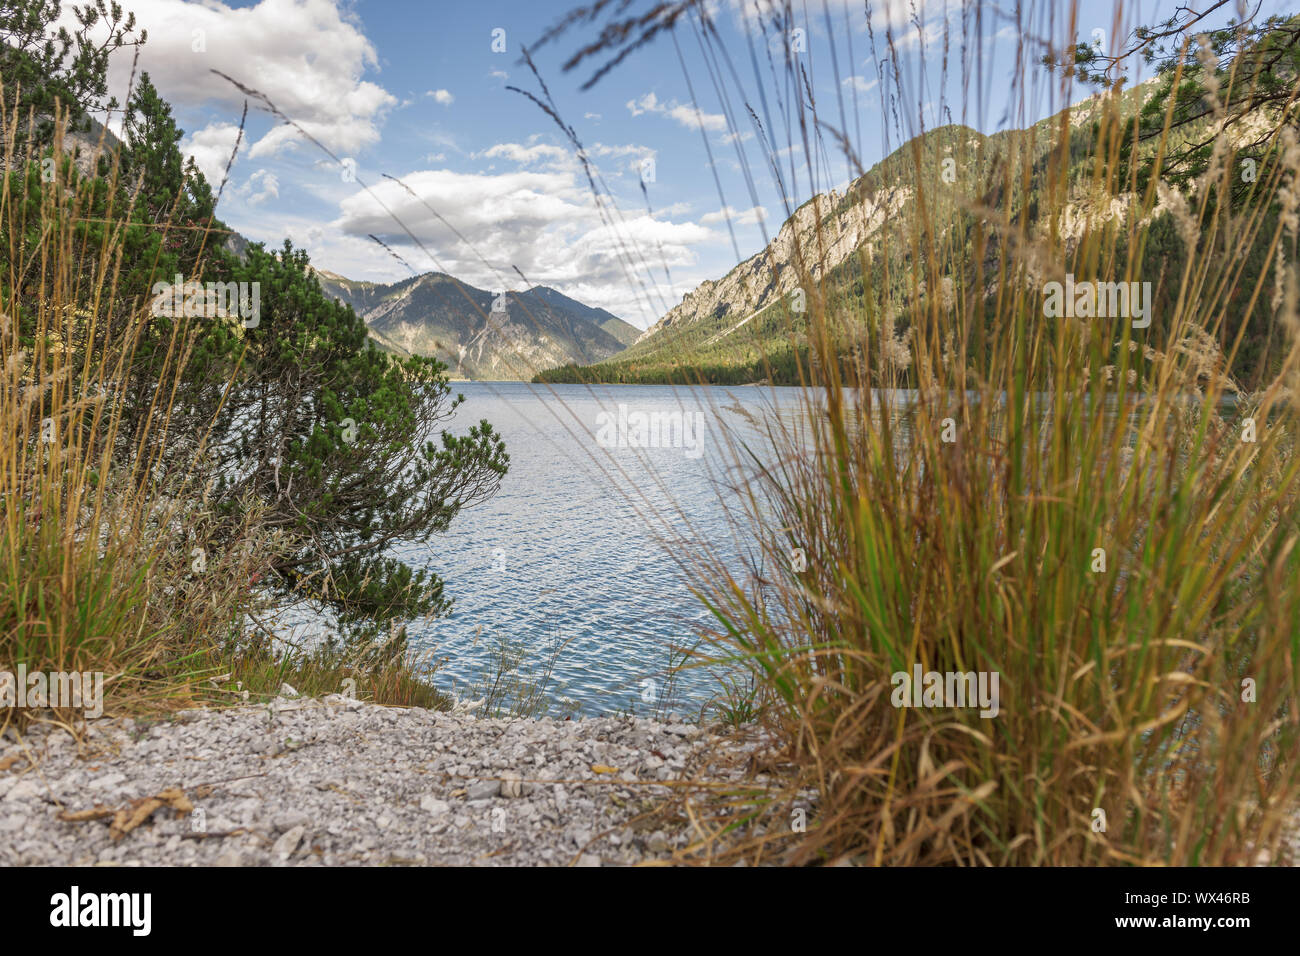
(435, 314)
(478, 334)
(843, 222)
(730, 324)
(746, 327)
(623, 331)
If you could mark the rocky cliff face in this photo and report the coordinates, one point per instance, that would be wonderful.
(821, 234)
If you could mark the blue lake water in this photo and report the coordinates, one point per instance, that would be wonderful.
(572, 560)
(572, 549)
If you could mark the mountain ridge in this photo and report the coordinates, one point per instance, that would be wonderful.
(481, 335)
(748, 325)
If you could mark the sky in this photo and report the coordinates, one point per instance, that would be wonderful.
(492, 189)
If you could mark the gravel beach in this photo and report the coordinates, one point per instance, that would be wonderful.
(335, 781)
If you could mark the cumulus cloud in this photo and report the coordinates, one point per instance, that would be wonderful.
(683, 114)
(308, 56)
(889, 13)
(441, 97)
(859, 83)
(532, 153)
(542, 222)
(261, 186)
(630, 156)
(626, 149)
(739, 217)
(211, 148)
(676, 209)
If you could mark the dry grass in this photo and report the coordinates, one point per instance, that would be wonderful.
(954, 525)
(109, 559)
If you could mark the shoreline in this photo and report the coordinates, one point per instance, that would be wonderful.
(335, 781)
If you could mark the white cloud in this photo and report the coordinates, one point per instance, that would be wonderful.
(859, 83)
(645, 104)
(643, 232)
(542, 222)
(687, 116)
(261, 186)
(884, 13)
(210, 148)
(441, 97)
(307, 56)
(746, 217)
(633, 153)
(543, 155)
(629, 149)
(532, 153)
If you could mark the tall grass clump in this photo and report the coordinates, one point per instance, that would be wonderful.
(92, 575)
(1091, 509)
(116, 558)
(99, 539)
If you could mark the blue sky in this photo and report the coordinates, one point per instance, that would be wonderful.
(416, 91)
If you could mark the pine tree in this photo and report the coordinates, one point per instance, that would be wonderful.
(1240, 76)
(335, 439)
(173, 193)
(291, 410)
(42, 66)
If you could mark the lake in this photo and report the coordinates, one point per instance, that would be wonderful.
(570, 551)
(569, 561)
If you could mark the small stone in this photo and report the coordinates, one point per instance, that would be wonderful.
(284, 847)
(287, 821)
(431, 804)
(23, 789)
(376, 785)
(108, 781)
(484, 790)
(287, 690)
